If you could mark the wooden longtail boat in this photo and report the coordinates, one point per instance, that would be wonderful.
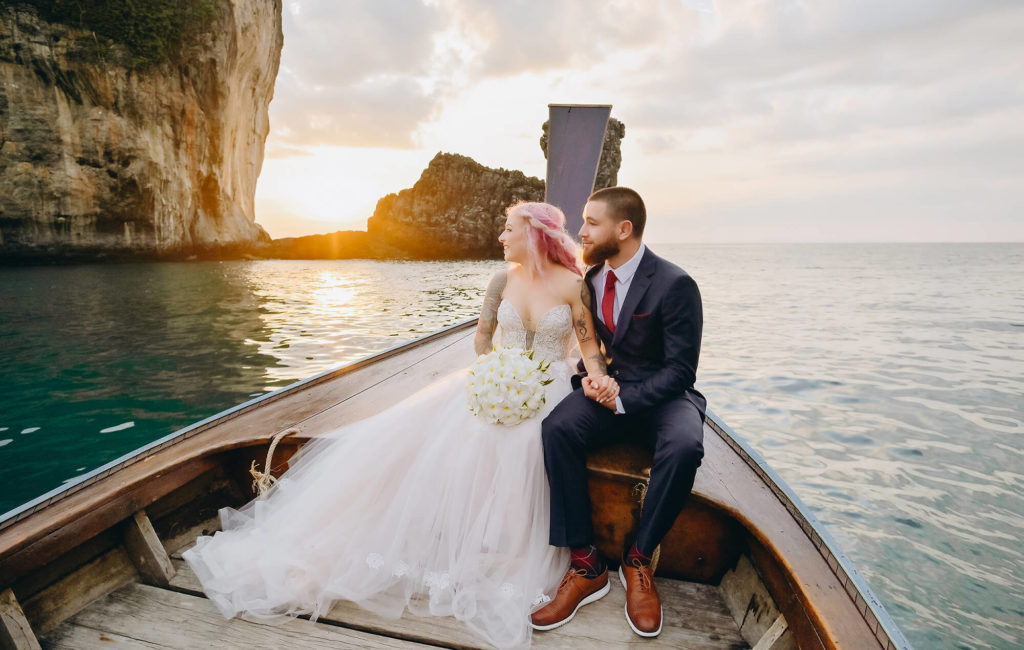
(97, 564)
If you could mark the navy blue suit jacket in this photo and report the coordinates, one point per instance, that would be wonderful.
(656, 346)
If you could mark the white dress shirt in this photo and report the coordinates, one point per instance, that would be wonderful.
(623, 278)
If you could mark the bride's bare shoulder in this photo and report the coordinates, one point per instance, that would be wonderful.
(568, 284)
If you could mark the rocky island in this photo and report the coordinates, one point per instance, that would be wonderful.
(455, 210)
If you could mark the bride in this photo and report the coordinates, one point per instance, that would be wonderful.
(425, 506)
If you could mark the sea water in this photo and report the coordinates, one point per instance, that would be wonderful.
(882, 381)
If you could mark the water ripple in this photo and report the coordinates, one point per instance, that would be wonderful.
(881, 381)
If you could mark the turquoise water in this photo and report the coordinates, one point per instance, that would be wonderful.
(883, 382)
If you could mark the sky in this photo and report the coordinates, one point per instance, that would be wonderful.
(746, 120)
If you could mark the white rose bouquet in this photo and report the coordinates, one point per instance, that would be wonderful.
(506, 386)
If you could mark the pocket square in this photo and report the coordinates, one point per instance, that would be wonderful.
(644, 315)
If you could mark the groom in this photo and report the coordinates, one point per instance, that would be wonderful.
(647, 312)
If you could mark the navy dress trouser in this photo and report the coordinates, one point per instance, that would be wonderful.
(674, 431)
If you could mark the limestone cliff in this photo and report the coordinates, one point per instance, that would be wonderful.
(102, 156)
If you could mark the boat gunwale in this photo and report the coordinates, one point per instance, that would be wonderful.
(61, 492)
(883, 626)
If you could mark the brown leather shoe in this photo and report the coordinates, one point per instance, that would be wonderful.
(643, 605)
(575, 591)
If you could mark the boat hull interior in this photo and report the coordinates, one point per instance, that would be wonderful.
(98, 565)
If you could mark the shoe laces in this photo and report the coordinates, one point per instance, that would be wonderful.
(645, 574)
(572, 572)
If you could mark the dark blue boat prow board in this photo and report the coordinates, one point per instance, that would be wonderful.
(575, 140)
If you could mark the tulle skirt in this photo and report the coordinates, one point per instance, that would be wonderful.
(423, 506)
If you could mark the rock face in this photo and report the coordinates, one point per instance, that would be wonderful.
(104, 158)
(455, 209)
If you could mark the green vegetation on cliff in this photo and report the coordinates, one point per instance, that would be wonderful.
(150, 30)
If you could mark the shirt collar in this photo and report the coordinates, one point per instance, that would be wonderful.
(625, 271)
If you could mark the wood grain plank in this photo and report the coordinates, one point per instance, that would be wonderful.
(146, 551)
(64, 598)
(78, 637)
(39, 542)
(748, 600)
(695, 617)
(187, 539)
(15, 631)
(169, 619)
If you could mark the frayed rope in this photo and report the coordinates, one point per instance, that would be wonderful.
(263, 481)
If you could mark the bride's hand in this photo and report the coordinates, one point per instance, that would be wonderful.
(610, 391)
(602, 389)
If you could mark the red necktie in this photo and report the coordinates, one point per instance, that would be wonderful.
(608, 301)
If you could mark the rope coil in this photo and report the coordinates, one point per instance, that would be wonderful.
(263, 481)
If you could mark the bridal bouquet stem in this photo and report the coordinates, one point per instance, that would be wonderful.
(506, 386)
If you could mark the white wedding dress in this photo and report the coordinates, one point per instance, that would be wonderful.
(424, 507)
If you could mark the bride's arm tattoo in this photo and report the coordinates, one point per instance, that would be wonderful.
(488, 322)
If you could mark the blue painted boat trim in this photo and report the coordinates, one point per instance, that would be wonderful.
(886, 629)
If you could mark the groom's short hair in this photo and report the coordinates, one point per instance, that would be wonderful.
(624, 204)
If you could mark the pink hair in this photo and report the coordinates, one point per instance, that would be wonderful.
(546, 237)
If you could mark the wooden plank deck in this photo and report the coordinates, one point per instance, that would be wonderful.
(143, 616)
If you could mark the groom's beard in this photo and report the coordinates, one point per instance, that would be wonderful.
(597, 253)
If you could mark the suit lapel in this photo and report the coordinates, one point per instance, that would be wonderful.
(637, 289)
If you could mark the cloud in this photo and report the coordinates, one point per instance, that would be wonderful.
(371, 73)
(536, 36)
(353, 74)
(375, 112)
(836, 71)
(778, 110)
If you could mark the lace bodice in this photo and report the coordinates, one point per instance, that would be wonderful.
(552, 341)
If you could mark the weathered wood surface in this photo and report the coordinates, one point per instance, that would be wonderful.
(66, 597)
(176, 515)
(32, 583)
(34, 542)
(187, 540)
(153, 617)
(775, 637)
(695, 617)
(15, 631)
(748, 600)
(76, 637)
(146, 550)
